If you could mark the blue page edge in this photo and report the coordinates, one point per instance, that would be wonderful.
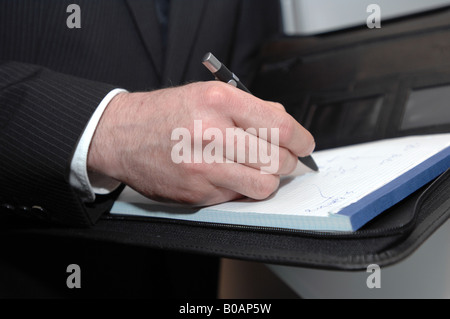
(392, 193)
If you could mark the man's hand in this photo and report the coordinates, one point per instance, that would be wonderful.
(133, 143)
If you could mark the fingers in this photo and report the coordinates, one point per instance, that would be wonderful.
(244, 180)
(248, 111)
(248, 149)
(220, 195)
(208, 184)
(291, 135)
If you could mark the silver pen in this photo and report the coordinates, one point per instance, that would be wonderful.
(222, 73)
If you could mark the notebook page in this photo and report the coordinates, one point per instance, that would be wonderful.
(346, 175)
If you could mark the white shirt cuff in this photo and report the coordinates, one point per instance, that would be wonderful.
(87, 184)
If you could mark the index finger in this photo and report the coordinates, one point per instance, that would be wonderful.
(248, 111)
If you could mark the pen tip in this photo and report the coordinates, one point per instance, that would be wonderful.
(309, 161)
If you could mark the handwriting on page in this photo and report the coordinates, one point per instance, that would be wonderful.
(370, 167)
(348, 175)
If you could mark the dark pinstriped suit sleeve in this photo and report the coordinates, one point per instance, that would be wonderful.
(42, 116)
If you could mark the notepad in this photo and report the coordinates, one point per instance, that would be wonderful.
(354, 184)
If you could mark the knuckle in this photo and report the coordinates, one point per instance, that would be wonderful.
(286, 129)
(287, 162)
(266, 185)
(214, 94)
(279, 105)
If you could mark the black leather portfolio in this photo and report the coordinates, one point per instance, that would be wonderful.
(347, 87)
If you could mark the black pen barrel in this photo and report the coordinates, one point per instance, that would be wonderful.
(225, 75)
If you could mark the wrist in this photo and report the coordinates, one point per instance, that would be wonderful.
(102, 158)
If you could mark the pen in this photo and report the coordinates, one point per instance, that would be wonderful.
(222, 73)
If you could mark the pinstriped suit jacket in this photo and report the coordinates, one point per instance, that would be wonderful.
(52, 78)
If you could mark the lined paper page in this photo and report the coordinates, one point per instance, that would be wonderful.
(346, 175)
